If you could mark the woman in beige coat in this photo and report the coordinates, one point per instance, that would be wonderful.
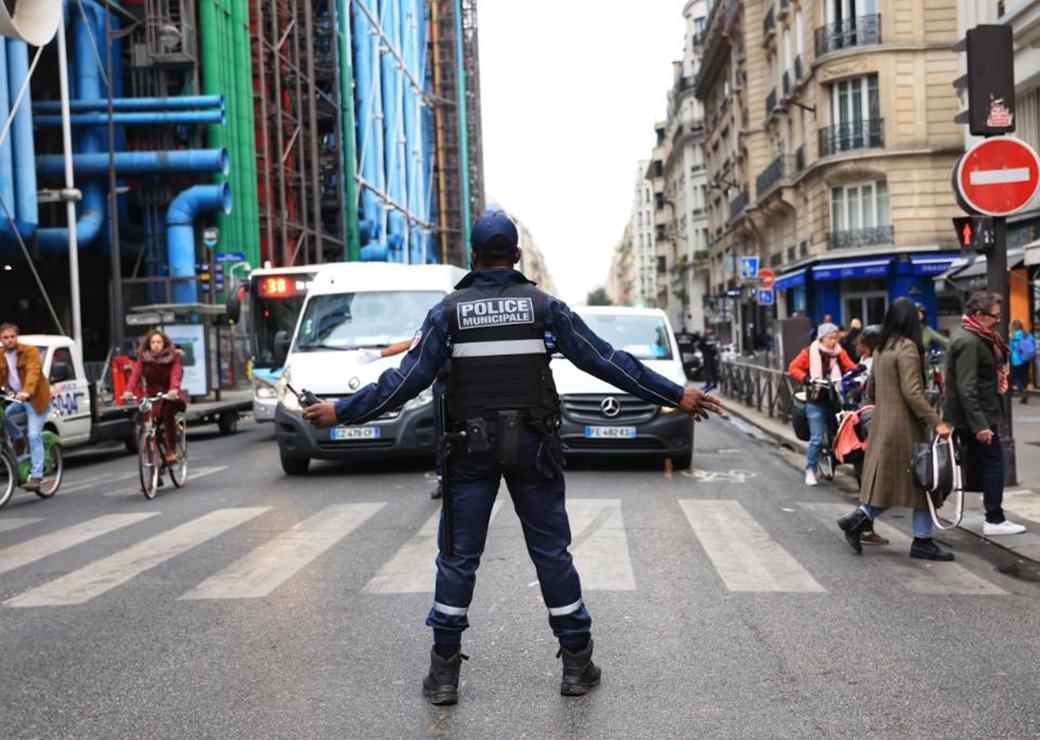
(902, 417)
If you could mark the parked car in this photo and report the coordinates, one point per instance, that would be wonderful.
(598, 419)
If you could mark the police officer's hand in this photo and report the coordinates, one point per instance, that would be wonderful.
(321, 414)
(699, 405)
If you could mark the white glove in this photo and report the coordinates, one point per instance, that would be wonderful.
(366, 356)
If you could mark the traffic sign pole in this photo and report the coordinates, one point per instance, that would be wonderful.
(997, 282)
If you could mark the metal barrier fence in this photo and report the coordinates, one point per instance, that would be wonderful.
(766, 390)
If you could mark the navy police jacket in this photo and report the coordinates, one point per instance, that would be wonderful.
(569, 334)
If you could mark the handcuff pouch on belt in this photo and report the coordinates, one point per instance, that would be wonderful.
(504, 434)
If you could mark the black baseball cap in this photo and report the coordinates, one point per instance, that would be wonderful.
(493, 227)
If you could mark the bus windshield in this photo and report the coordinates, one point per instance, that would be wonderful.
(270, 316)
(375, 319)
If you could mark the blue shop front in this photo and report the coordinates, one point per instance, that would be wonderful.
(847, 289)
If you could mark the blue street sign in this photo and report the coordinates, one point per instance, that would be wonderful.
(749, 267)
(765, 297)
(231, 257)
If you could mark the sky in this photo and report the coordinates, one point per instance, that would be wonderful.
(569, 92)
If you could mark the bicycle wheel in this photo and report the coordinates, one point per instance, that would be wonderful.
(53, 470)
(8, 478)
(179, 470)
(148, 465)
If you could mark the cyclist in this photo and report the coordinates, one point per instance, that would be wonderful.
(159, 366)
(824, 360)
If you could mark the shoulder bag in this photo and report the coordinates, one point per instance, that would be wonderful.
(937, 470)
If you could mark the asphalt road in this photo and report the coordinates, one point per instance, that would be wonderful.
(725, 604)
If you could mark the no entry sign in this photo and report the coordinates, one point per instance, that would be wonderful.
(997, 176)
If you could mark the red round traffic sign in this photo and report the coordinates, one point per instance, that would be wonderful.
(767, 277)
(998, 176)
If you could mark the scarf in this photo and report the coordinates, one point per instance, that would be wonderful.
(1001, 352)
(816, 354)
(163, 358)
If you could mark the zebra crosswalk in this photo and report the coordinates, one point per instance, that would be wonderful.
(744, 555)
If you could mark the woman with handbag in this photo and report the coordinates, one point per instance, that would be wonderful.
(902, 417)
(820, 366)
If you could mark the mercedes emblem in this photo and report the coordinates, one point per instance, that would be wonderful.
(354, 383)
(610, 406)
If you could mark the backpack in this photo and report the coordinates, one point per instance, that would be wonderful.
(1027, 347)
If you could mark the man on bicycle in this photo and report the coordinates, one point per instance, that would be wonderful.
(22, 372)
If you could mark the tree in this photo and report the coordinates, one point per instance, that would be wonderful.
(598, 297)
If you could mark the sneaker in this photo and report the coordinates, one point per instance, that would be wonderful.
(810, 478)
(872, 538)
(1004, 527)
(33, 484)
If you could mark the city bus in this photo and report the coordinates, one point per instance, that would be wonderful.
(269, 301)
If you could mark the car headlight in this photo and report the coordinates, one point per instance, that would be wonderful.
(285, 396)
(423, 399)
(265, 391)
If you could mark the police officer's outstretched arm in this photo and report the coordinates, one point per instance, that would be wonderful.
(595, 356)
(395, 386)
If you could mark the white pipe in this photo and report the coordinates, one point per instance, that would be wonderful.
(70, 206)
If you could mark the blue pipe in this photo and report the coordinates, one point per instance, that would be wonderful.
(6, 155)
(391, 79)
(180, 233)
(138, 163)
(147, 118)
(370, 141)
(21, 137)
(186, 102)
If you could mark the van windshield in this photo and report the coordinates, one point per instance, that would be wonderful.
(644, 337)
(373, 319)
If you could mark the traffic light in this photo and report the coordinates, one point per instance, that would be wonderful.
(990, 80)
(975, 233)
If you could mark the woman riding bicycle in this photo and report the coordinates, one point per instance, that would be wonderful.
(159, 366)
(820, 366)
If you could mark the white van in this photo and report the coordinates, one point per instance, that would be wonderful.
(353, 306)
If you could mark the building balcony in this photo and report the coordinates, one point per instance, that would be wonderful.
(860, 237)
(768, 25)
(770, 102)
(784, 167)
(738, 204)
(863, 30)
(844, 137)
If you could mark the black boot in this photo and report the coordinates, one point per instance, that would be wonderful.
(441, 685)
(926, 549)
(579, 672)
(853, 525)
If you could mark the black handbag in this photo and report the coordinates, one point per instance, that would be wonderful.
(937, 470)
(799, 419)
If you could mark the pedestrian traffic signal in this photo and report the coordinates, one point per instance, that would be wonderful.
(990, 80)
(975, 233)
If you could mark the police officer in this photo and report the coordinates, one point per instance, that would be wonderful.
(500, 331)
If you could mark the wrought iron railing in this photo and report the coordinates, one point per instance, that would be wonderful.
(768, 24)
(798, 71)
(860, 237)
(764, 389)
(770, 102)
(738, 204)
(781, 168)
(786, 86)
(859, 31)
(843, 137)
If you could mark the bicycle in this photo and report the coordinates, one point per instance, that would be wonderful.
(15, 469)
(151, 458)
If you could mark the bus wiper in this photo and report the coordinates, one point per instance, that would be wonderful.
(316, 347)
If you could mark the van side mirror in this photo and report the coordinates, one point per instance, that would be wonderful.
(281, 347)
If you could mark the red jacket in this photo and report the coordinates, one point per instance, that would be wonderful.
(161, 374)
(799, 367)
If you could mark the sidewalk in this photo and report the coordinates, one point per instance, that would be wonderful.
(1021, 503)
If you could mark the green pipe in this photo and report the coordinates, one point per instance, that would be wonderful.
(460, 76)
(213, 83)
(352, 240)
(249, 140)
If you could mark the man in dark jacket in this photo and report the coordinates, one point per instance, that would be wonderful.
(976, 379)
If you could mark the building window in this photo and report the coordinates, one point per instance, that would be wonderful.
(855, 100)
(860, 215)
(662, 266)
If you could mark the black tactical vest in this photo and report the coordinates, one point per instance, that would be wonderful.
(499, 361)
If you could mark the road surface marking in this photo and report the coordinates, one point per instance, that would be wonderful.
(92, 580)
(917, 576)
(719, 476)
(412, 569)
(7, 525)
(32, 550)
(999, 177)
(192, 475)
(599, 544)
(743, 553)
(277, 560)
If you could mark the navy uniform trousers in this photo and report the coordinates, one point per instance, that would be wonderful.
(539, 503)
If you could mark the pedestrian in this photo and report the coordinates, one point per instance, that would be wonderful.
(23, 374)
(500, 332)
(929, 337)
(1023, 353)
(710, 353)
(848, 343)
(820, 366)
(976, 380)
(902, 418)
(158, 370)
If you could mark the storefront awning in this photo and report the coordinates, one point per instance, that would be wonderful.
(1032, 253)
(795, 279)
(963, 268)
(932, 264)
(856, 269)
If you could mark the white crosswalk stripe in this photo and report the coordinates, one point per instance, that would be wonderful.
(599, 544)
(9, 525)
(412, 569)
(277, 560)
(916, 576)
(743, 553)
(192, 475)
(32, 550)
(94, 579)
